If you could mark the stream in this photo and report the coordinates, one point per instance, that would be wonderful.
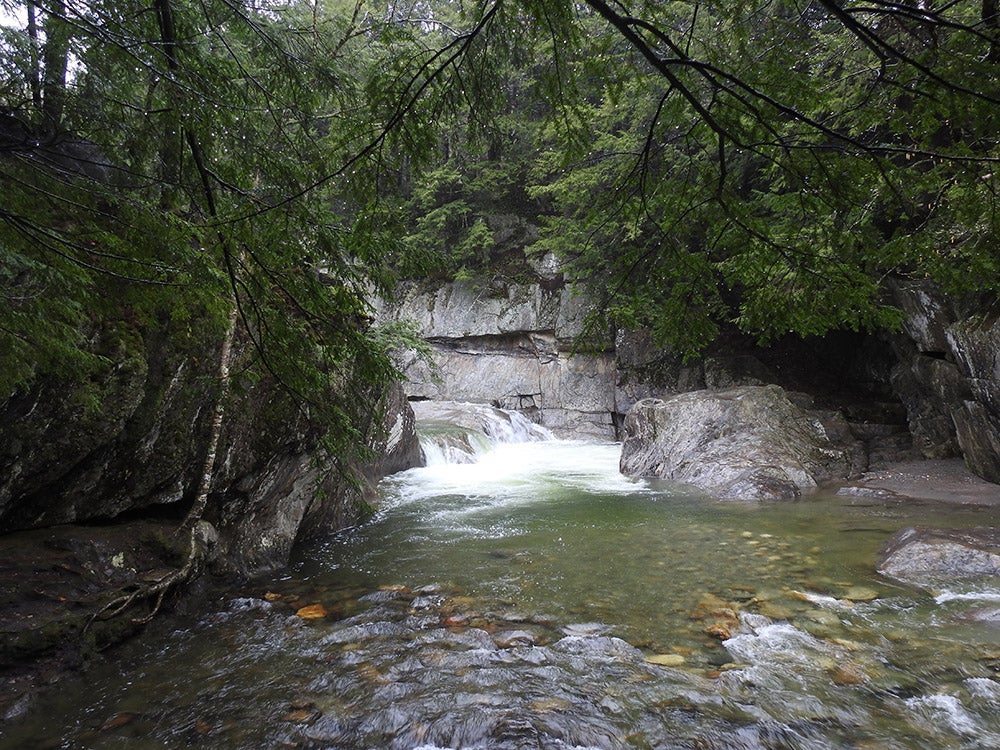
(533, 597)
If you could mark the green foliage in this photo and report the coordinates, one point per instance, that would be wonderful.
(225, 154)
(773, 164)
(764, 165)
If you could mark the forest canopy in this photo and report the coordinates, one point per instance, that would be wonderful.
(763, 165)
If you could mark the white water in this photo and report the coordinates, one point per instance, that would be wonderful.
(459, 433)
(520, 472)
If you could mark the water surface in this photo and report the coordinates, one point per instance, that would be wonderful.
(537, 598)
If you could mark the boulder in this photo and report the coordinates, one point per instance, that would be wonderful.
(748, 443)
(931, 557)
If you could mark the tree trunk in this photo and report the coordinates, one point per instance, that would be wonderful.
(55, 57)
(215, 430)
(172, 143)
(200, 538)
(34, 72)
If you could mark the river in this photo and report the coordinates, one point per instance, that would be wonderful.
(536, 598)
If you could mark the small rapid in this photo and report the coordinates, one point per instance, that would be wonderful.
(458, 433)
(528, 595)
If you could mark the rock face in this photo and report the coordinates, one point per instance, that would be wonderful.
(516, 348)
(136, 440)
(527, 348)
(748, 443)
(948, 375)
(976, 344)
(932, 557)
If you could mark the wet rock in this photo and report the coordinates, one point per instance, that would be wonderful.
(860, 594)
(872, 492)
(773, 610)
(544, 705)
(364, 631)
(52, 580)
(927, 557)
(848, 674)
(597, 646)
(513, 638)
(748, 443)
(118, 720)
(720, 618)
(983, 614)
(719, 631)
(473, 638)
(425, 602)
(312, 612)
(586, 628)
(666, 660)
(824, 600)
(302, 712)
(386, 594)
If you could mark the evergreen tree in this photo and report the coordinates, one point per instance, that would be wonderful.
(764, 165)
(759, 165)
(181, 158)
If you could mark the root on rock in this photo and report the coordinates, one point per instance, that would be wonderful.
(202, 537)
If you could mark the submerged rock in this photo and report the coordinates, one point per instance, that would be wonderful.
(927, 557)
(666, 660)
(748, 443)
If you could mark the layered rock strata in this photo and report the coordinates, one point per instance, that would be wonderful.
(524, 348)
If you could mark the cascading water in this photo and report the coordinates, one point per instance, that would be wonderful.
(538, 599)
(458, 433)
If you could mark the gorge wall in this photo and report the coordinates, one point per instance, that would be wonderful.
(131, 440)
(516, 348)
(98, 469)
(931, 390)
(948, 375)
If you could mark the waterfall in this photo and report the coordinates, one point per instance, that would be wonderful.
(451, 432)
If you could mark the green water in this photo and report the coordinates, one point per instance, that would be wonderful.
(539, 599)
